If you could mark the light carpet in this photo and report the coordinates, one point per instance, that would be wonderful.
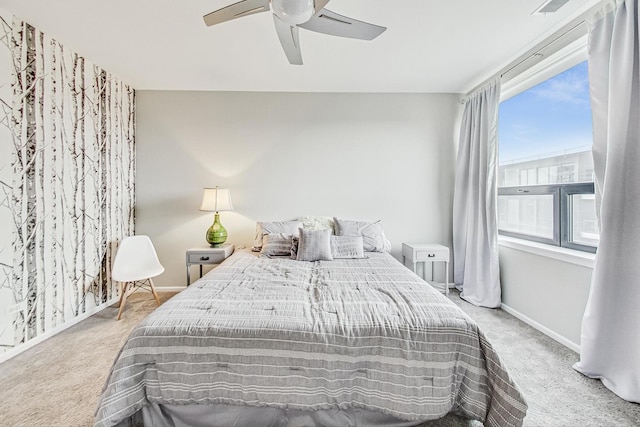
(58, 382)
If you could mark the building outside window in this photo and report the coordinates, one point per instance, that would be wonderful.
(545, 173)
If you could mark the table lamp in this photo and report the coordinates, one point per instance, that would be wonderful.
(216, 200)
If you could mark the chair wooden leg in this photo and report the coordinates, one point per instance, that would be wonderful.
(123, 298)
(153, 290)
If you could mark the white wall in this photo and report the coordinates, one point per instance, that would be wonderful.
(550, 292)
(284, 155)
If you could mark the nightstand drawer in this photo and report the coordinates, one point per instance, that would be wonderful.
(206, 258)
(432, 255)
(420, 252)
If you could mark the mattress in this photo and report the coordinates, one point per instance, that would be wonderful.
(355, 334)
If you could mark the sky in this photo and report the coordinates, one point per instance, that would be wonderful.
(552, 116)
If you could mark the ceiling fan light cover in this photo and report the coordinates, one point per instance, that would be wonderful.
(293, 12)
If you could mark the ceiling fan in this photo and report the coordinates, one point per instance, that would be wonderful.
(289, 15)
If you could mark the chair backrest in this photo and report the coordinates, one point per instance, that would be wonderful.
(136, 259)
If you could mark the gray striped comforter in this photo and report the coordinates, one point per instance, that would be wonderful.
(361, 333)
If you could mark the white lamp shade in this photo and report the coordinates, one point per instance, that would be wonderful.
(216, 200)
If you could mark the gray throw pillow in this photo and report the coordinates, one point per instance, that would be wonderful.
(276, 244)
(284, 227)
(347, 247)
(314, 245)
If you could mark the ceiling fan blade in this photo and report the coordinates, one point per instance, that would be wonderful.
(328, 22)
(288, 35)
(318, 5)
(236, 10)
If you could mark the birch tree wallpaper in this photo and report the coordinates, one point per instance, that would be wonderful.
(67, 166)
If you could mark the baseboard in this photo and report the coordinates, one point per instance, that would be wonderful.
(548, 332)
(37, 340)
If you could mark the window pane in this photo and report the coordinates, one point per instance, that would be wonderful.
(545, 138)
(548, 126)
(527, 214)
(584, 226)
(511, 178)
(543, 175)
(523, 177)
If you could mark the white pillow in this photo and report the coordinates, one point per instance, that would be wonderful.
(347, 247)
(314, 245)
(371, 232)
(283, 227)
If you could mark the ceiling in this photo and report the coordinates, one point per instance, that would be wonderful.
(429, 46)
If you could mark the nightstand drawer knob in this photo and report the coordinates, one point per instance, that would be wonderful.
(431, 255)
(204, 258)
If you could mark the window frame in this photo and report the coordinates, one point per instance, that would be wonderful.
(535, 190)
(554, 64)
(561, 212)
(566, 191)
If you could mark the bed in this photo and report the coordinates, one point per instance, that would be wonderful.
(283, 342)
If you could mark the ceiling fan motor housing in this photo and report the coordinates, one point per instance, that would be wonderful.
(291, 15)
(293, 12)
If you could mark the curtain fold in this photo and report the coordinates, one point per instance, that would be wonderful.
(475, 222)
(610, 340)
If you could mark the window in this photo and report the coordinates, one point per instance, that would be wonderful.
(559, 214)
(545, 179)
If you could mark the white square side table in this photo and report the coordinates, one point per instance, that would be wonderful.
(427, 252)
(206, 255)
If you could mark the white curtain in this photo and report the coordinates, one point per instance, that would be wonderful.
(610, 342)
(475, 222)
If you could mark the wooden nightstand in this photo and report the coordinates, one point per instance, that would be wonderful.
(205, 256)
(427, 252)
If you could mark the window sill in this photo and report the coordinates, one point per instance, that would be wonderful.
(572, 256)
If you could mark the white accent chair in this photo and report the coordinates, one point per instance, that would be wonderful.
(135, 264)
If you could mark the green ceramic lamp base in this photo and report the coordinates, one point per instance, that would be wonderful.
(216, 234)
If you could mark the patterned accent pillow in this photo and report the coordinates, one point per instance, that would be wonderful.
(371, 232)
(317, 223)
(347, 247)
(283, 227)
(314, 245)
(276, 244)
